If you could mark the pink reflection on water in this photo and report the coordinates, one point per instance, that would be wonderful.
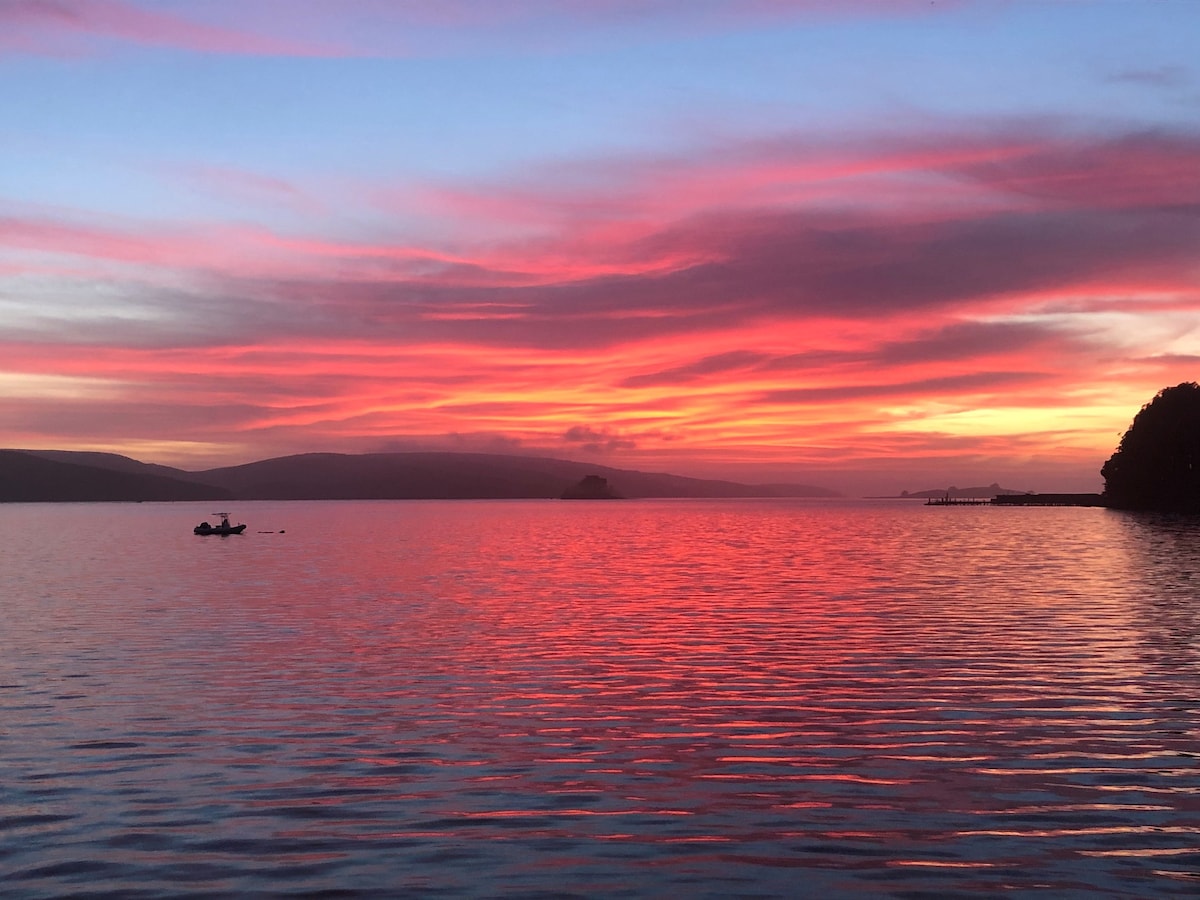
(831, 687)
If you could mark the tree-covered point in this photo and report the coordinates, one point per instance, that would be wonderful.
(1157, 464)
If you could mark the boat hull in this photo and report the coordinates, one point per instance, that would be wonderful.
(220, 529)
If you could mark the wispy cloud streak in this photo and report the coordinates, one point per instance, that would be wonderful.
(302, 28)
(70, 27)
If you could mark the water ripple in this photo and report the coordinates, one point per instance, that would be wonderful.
(642, 699)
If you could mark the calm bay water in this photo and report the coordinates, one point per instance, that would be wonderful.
(775, 698)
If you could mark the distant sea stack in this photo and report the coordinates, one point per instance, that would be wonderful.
(591, 487)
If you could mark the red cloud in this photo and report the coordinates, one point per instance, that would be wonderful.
(700, 315)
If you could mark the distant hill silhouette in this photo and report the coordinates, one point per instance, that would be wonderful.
(45, 477)
(1157, 464)
(112, 461)
(60, 475)
(449, 476)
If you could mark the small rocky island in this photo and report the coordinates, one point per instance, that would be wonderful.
(591, 487)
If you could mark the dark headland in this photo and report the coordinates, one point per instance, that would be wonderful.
(61, 475)
(1155, 468)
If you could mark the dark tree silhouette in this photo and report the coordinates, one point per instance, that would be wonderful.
(1157, 465)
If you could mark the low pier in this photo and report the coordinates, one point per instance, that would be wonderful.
(1049, 500)
(1022, 500)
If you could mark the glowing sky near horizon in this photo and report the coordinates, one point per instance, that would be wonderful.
(866, 244)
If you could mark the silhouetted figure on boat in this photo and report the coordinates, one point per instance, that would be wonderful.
(223, 528)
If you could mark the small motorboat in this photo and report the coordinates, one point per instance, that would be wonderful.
(223, 528)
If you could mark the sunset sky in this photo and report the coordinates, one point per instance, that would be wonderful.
(871, 245)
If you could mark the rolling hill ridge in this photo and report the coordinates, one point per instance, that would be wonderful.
(62, 475)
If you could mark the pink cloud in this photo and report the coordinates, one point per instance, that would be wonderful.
(383, 27)
(678, 271)
(931, 177)
(666, 257)
(69, 27)
(32, 234)
(1140, 170)
(245, 186)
